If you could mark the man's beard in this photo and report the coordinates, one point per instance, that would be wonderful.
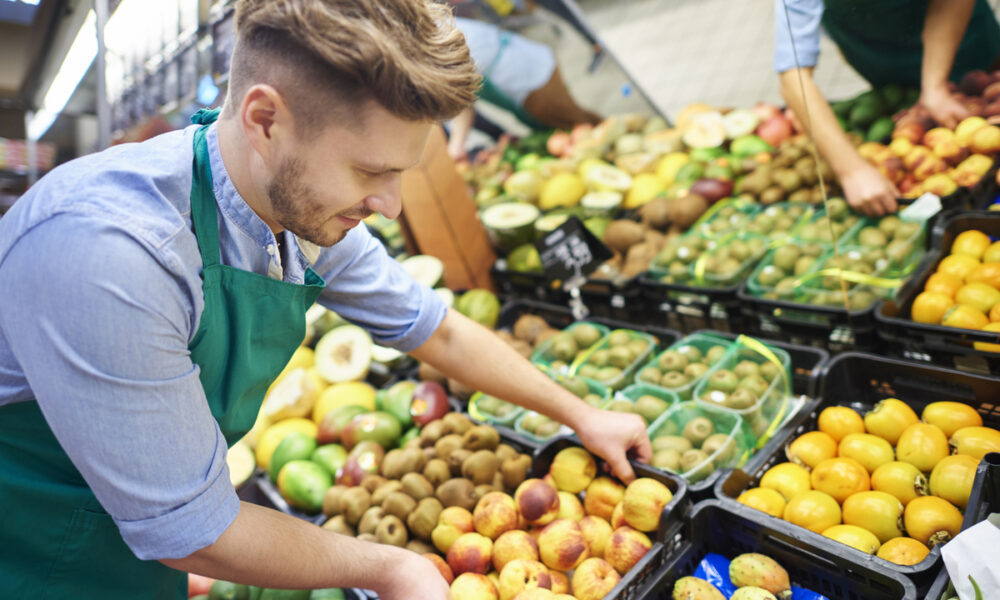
(297, 208)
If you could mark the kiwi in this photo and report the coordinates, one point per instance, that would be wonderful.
(447, 444)
(650, 407)
(586, 335)
(692, 458)
(721, 445)
(413, 443)
(339, 524)
(698, 429)
(416, 486)
(527, 327)
(372, 481)
(331, 500)
(383, 491)
(392, 464)
(481, 437)
(672, 442)
(353, 503)
(772, 195)
(668, 459)
(741, 399)
(457, 422)
(504, 452)
(392, 531)
(621, 406)
(370, 520)
(746, 368)
(455, 461)
(422, 519)
(431, 433)
(695, 370)
(515, 470)
(398, 504)
(414, 460)
(420, 547)
(457, 492)
(480, 467)
(437, 471)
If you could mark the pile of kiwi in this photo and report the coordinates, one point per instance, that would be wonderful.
(782, 268)
(728, 218)
(892, 240)
(693, 450)
(566, 346)
(792, 175)
(777, 221)
(741, 388)
(828, 289)
(678, 367)
(454, 462)
(724, 263)
(614, 356)
(647, 406)
(832, 225)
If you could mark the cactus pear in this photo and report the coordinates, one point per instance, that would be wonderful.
(757, 570)
(752, 593)
(694, 588)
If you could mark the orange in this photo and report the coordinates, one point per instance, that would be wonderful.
(952, 479)
(889, 418)
(985, 346)
(958, 265)
(971, 242)
(929, 307)
(816, 511)
(988, 273)
(903, 551)
(840, 477)
(965, 317)
(838, 421)
(944, 283)
(980, 295)
(932, 520)
(992, 253)
(922, 445)
(810, 448)
(900, 479)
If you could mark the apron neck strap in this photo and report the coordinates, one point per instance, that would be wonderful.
(203, 206)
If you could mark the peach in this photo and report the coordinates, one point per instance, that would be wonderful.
(594, 579)
(985, 140)
(538, 501)
(514, 545)
(473, 586)
(560, 582)
(536, 594)
(916, 156)
(967, 127)
(930, 167)
(912, 130)
(618, 516)
(573, 469)
(643, 503)
(561, 545)
(471, 553)
(992, 92)
(441, 565)
(494, 514)
(940, 184)
(452, 523)
(907, 183)
(602, 495)
(570, 507)
(519, 575)
(992, 110)
(937, 135)
(899, 147)
(950, 151)
(596, 532)
(914, 192)
(625, 548)
(977, 163)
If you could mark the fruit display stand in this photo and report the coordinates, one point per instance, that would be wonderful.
(986, 496)
(859, 381)
(728, 529)
(939, 344)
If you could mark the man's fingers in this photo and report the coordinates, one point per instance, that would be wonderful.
(621, 467)
(643, 448)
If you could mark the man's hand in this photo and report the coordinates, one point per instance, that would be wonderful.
(614, 436)
(415, 577)
(868, 192)
(943, 107)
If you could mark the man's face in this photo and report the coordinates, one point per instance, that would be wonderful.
(324, 186)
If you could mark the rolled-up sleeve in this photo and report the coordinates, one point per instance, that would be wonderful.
(367, 287)
(796, 34)
(100, 321)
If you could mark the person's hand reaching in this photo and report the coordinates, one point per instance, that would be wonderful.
(868, 191)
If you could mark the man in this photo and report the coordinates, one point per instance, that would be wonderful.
(922, 43)
(151, 292)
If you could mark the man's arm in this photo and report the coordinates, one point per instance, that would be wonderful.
(469, 352)
(461, 125)
(944, 28)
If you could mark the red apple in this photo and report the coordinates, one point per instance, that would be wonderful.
(430, 402)
(712, 190)
(974, 82)
(775, 130)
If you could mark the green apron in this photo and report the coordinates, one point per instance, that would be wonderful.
(488, 92)
(56, 541)
(881, 39)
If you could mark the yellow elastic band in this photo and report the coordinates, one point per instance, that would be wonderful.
(853, 277)
(758, 347)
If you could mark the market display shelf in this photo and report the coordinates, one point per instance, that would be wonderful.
(689, 308)
(986, 496)
(859, 381)
(716, 527)
(938, 344)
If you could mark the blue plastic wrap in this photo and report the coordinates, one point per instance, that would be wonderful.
(714, 568)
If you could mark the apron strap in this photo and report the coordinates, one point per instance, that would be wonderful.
(203, 209)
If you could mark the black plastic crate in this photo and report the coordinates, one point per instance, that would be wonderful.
(732, 530)
(632, 583)
(935, 343)
(514, 285)
(690, 308)
(859, 381)
(986, 497)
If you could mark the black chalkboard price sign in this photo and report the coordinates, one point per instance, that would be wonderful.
(571, 252)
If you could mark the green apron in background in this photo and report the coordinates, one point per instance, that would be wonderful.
(881, 39)
(56, 541)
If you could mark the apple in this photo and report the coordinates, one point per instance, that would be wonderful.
(512, 545)
(473, 586)
(519, 575)
(985, 140)
(495, 513)
(643, 503)
(775, 130)
(570, 507)
(594, 579)
(765, 111)
(441, 565)
(940, 184)
(560, 582)
(538, 501)
(596, 532)
(430, 402)
(453, 522)
(573, 469)
(561, 545)
(602, 495)
(625, 548)
(471, 553)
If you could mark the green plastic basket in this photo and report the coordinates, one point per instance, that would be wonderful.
(701, 342)
(735, 451)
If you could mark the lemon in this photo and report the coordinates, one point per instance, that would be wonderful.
(562, 190)
(303, 357)
(240, 460)
(293, 394)
(669, 165)
(355, 393)
(589, 163)
(273, 435)
(645, 187)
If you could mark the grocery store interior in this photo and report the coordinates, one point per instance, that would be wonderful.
(733, 269)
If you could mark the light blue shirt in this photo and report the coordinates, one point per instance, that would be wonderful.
(100, 295)
(802, 24)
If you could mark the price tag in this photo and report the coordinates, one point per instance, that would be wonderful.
(571, 252)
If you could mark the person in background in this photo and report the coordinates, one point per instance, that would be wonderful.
(924, 43)
(519, 76)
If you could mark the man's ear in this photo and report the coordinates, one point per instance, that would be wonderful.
(265, 119)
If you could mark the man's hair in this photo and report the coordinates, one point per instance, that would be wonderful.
(326, 57)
